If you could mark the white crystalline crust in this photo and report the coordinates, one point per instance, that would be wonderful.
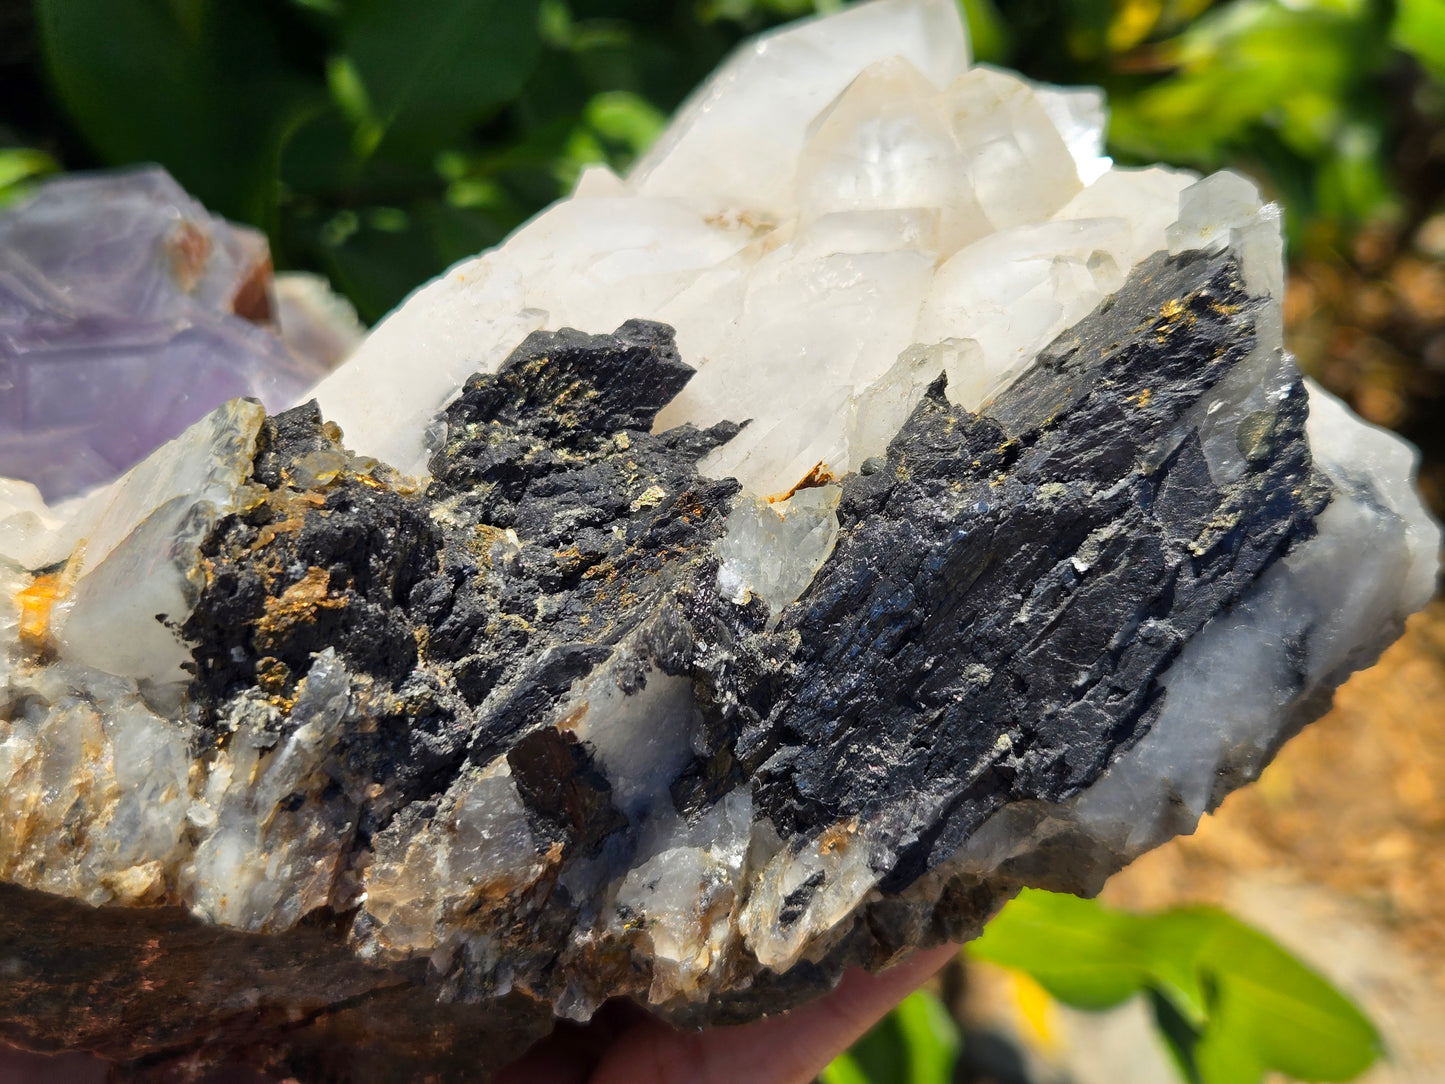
(838, 192)
(845, 211)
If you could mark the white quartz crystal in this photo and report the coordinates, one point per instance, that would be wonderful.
(268, 838)
(683, 891)
(773, 550)
(736, 142)
(133, 575)
(312, 319)
(480, 845)
(839, 193)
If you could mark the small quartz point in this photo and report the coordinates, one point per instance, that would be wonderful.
(926, 508)
(127, 312)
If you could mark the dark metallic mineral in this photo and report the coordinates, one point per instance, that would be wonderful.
(534, 643)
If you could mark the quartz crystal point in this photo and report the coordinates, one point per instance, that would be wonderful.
(127, 312)
(971, 530)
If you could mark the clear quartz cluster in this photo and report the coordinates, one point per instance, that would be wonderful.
(842, 208)
(127, 312)
(867, 246)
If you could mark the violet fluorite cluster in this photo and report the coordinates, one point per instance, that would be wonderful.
(127, 312)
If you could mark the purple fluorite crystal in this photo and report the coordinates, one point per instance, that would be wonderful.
(127, 312)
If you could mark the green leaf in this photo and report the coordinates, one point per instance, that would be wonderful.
(350, 96)
(1253, 65)
(1230, 1003)
(1172, 941)
(1181, 1038)
(1224, 1057)
(431, 71)
(844, 1070)
(754, 10)
(917, 1043)
(1270, 1004)
(1071, 946)
(1419, 29)
(930, 1037)
(1353, 185)
(987, 34)
(625, 118)
(881, 1055)
(198, 86)
(615, 127)
(1093, 958)
(19, 166)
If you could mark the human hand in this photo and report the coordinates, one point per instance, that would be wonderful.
(624, 1045)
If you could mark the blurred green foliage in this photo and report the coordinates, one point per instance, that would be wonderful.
(20, 168)
(1320, 99)
(917, 1043)
(378, 140)
(1230, 1003)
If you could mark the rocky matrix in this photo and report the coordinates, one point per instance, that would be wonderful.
(971, 530)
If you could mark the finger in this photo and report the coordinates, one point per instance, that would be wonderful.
(791, 1048)
(570, 1053)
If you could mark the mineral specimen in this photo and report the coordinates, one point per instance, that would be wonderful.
(127, 312)
(972, 530)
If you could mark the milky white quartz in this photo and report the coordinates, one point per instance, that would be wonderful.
(838, 192)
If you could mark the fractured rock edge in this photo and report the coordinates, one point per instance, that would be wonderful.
(865, 867)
